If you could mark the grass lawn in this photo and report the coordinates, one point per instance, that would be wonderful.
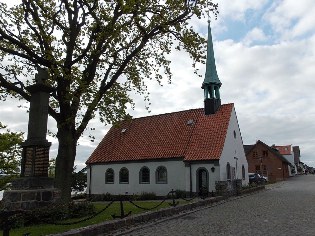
(45, 229)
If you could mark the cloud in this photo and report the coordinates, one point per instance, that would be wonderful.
(253, 36)
(237, 9)
(291, 19)
(272, 88)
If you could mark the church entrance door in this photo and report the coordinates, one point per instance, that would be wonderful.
(202, 181)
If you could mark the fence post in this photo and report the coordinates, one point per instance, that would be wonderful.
(122, 212)
(173, 199)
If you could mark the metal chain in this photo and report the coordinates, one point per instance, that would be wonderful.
(86, 219)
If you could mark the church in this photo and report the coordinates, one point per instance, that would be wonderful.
(186, 150)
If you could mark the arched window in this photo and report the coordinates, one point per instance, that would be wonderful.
(124, 176)
(144, 175)
(228, 171)
(161, 175)
(109, 176)
(243, 172)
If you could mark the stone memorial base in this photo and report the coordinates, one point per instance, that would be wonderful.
(29, 193)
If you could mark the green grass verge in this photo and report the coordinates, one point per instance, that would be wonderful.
(44, 229)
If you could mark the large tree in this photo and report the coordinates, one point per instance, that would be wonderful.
(96, 52)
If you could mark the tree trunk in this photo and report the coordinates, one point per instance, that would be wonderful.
(65, 161)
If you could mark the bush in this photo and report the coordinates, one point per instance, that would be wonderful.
(50, 214)
(79, 196)
(145, 196)
(101, 197)
(180, 193)
(80, 209)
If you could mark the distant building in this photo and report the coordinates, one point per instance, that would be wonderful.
(297, 160)
(267, 161)
(297, 154)
(287, 153)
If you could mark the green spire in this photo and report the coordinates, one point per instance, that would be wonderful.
(211, 83)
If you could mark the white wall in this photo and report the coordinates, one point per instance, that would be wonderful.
(233, 147)
(175, 178)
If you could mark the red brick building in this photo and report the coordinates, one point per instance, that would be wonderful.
(266, 160)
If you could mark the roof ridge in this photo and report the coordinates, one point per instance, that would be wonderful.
(174, 112)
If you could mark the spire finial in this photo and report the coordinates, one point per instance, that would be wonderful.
(208, 13)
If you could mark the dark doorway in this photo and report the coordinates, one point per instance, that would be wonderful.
(202, 181)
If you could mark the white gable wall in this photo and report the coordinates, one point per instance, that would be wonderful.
(233, 147)
(175, 178)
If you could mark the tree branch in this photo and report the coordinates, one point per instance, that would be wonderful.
(23, 46)
(12, 87)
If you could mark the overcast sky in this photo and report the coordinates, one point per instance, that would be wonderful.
(265, 57)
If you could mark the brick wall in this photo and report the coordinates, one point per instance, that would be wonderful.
(275, 169)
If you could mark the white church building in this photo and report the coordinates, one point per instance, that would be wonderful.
(187, 150)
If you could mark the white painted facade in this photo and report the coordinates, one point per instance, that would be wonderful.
(233, 152)
(180, 175)
(175, 178)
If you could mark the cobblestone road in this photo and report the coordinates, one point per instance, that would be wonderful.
(285, 208)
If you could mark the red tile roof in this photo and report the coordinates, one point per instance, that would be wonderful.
(284, 150)
(166, 136)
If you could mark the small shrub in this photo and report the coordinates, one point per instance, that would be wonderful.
(145, 196)
(79, 196)
(9, 222)
(45, 215)
(221, 185)
(80, 209)
(246, 186)
(50, 214)
(101, 197)
(180, 193)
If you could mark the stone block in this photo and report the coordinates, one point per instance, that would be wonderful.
(44, 204)
(33, 183)
(12, 196)
(57, 194)
(12, 206)
(28, 196)
(38, 196)
(47, 195)
(29, 205)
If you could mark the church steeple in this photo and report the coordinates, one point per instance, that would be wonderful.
(211, 83)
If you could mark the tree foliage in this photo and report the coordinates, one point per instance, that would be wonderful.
(96, 53)
(10, 154)
(52, 167)
(10, 151)
(79, 180)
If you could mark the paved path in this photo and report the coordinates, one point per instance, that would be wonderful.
(285, 208)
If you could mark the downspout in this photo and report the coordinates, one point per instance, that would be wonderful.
(190, 181)
(90, 175)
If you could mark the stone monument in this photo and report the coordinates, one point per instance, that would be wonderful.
(34, 188)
